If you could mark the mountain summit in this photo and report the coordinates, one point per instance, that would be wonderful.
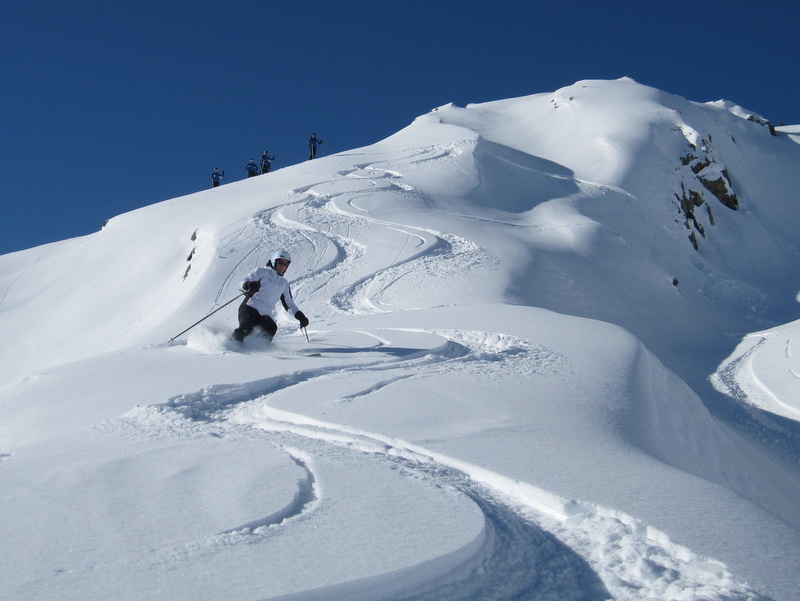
(550, 357)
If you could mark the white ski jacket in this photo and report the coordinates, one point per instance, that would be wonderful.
(274, 288)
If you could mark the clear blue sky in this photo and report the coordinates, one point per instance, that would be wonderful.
(109, 106)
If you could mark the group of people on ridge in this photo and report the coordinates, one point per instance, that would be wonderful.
(254, 169)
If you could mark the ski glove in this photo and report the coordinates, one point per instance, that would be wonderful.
(299, 316)
(250, 288)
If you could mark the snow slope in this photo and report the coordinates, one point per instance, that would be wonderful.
(505, 393)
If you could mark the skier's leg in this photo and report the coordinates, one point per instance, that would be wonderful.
(269, 326)
(248, 319)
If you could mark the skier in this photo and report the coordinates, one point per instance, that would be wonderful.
(312, 146)
(263, 288)
(252, 168)
(215, 177)
(265, 162)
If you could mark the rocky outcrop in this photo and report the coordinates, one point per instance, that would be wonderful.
(765, 122)
(721, 188)
(703, 177)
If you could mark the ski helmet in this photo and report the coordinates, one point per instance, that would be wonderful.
(280, 254)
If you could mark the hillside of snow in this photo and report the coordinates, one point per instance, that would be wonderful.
(551, 356)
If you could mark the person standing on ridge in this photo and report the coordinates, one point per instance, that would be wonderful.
(252, 168)
(265, 162)
(312, 146)
(216, 176)
(263, 288)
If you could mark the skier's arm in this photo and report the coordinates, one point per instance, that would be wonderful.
(251, 282)
(289, 304)
(250, 287)
(287, 301)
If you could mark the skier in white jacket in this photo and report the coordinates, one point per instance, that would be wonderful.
(263, 288)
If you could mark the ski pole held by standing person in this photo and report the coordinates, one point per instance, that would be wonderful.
(313, 142)
(216, 175)
(265, 162)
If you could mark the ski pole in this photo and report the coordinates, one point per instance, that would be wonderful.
(306, 333)
(207, 316)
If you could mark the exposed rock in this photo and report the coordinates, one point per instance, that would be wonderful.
(708, 175)
(766, 122)
(721, 189)
(700, 165)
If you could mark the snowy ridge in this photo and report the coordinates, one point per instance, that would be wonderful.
(514, 311)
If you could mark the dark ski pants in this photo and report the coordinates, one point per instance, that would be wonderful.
(249, 319)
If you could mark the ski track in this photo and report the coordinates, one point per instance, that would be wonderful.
(304, 499)
(752, 411)
(537, 546)
(324, 223)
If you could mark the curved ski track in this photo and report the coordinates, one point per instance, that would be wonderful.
(326, 224)
(537, 546)
(518, 560)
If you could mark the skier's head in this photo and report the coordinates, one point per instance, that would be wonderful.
(280, 258)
